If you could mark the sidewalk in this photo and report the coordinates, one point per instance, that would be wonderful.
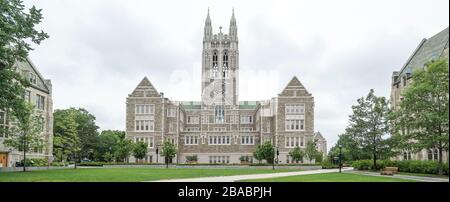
(252, 176)
(406, 177)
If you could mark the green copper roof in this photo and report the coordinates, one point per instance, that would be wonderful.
(248, 104)
(192, 104)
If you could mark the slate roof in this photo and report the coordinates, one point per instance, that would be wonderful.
(198, 104)
(427, 50)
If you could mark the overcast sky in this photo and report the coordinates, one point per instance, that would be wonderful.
(98, 51)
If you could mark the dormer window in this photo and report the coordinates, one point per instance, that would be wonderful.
(32, 78)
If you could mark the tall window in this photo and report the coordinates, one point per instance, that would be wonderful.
(247, 140)
(40, 101)
(145, 109)
(225, 64)
(147, 140)
(32, 78)
(219, 140)
(191, 140)
(219, 113)
(247, 119)
(215, 66)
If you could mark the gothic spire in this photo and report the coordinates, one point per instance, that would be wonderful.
(233, 26)
(208, 27)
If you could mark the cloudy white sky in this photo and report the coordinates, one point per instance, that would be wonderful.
(99, 50)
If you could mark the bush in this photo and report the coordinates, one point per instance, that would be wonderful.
(59, 164)
(191, 159)
(33, 163)
(411, 166)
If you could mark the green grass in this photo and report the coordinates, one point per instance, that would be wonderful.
(124, 174)
(330, 177)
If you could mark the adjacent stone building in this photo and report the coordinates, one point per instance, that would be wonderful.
(427, 50)
(40, 94)
(220, 128)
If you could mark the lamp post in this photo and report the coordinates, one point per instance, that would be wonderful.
(340, 158)
(157, 151)
(273, 159)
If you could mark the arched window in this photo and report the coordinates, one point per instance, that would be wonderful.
(436, 155)
(215, 66)
(219, 114)
(225, 64)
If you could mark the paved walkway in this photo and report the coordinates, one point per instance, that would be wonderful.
(253, 176)
(406, 177)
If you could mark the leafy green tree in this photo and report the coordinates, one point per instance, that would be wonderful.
(168, 151)
(297, 154)
(319, 157)
(140, 150)
(17, 34)
(66, 142)
(311, 151)
(87, 132)
(369, 125)
(264, 152)
(107, 145)
(351, 149)
(422, 117)
(26, 134)
(123, 151)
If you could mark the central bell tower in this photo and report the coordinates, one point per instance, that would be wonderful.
(220, 65)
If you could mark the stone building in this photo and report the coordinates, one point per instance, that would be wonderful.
(40, 94)
(219, 128)
(427, 50)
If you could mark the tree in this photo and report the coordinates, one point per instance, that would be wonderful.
(369, 125)
(124, 149)
(351, 149)
(26, 134)
(108, 144)
(319, 157)
(297, 154)
(422, 117)
(311, 151)
(17, 35)
(66, 142)
(140, 150)
(87, 131)
(168, 151)
(264, 151)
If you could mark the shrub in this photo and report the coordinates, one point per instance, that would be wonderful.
(411, 166)
(193, 158)
(33, 162)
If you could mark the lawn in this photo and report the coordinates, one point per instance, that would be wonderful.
(124, 174)
(330, 177)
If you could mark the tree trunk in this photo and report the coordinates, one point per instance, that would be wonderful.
(24, 153)
(440, 161)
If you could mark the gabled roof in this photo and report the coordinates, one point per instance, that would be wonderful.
(318, 135)
(295, 84)
(427, 50)
(28, 66)
(145, 89)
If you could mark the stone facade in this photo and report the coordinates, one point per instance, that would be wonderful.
(427, 50)
(220, 128)
(40, 94)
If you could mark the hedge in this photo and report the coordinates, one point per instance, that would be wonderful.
(33, 162)
(99, 164)
(412, 166)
